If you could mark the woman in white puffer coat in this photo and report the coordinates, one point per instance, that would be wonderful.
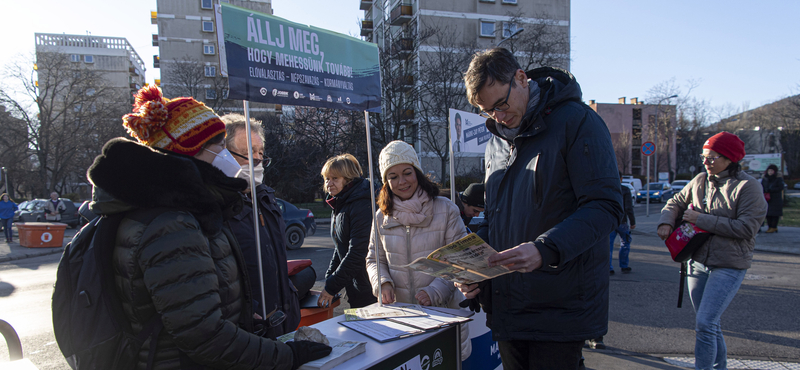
(412, 222)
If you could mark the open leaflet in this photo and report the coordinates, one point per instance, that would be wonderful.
(464, 261)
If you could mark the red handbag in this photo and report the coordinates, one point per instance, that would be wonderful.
(685, 240)
(767, 196)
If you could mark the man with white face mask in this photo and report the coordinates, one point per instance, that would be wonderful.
(280, 293)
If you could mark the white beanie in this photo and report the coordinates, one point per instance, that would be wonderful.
(397, 152)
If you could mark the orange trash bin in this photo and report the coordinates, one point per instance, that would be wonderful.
(41, 234)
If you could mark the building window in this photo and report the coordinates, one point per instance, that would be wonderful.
(509, 1)
(509, 29)
(206, 4)
(487, 29)
(208, 26)
(486, 1)
(88, 58)
(211, 94)
(224, 93)
(90, 91)
(75, 58)
(209, 49)
(211, 71)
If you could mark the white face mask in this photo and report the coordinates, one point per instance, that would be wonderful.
(257, 169)
(226, 163)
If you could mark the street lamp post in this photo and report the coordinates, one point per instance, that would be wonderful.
(5, 177)
(655, 154)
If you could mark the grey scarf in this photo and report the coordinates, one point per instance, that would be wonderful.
(533, 101)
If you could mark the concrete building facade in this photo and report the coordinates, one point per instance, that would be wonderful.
(407, 29)
(631, 125)
(114, 57)
(188, 52)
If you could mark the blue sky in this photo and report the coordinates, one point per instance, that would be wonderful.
(743, 53)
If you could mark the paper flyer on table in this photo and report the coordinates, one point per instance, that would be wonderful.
(464, 261)
(434, 320)
(375, 311)
(382, 330)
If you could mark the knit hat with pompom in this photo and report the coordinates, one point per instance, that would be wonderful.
(397, 152)
(180, 125)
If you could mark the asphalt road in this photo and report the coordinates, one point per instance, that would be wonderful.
(761, 322)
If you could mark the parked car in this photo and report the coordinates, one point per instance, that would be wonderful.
(657, 191)
(475, 222)
(632, 190)
(34, 212)
(299, 224)
(636, 183)
(19, 209)
(678, 185)
(797, 185)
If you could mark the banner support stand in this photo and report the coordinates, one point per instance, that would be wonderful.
(254, 203)
(374, 211)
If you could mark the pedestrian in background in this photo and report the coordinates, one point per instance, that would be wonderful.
(53, 208)
(773, 193)
(351, 221)
(7, 208)
(176, 258)
(624, 232)
(729, 204)
(412, 222)
(280, 295)
(471, 202)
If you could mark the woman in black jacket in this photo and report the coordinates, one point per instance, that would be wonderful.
(351, 220)
(773, 188)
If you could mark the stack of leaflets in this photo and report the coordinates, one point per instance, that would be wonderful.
(384, 330)
(342, 350)
(376, 311)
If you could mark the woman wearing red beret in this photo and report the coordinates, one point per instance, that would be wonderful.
(729, 204)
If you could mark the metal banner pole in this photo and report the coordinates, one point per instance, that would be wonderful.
(374, 211)
(254, 202)
(452, 162)
(647, 187)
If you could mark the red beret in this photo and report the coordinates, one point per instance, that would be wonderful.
(727, 144)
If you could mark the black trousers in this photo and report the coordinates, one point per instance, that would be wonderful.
(772, 221)
(530, 355)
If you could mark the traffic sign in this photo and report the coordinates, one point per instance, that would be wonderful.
(648, 148)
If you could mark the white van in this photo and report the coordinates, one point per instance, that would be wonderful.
(636, 183)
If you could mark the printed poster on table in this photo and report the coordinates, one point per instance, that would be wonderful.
(272, 60)
(468, 132)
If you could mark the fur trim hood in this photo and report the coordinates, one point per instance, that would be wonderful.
(129, 175)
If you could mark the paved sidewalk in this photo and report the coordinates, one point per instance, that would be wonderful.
(785, 241)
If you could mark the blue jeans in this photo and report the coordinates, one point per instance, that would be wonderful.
(7, 227)
(711, 290)
(624, 246)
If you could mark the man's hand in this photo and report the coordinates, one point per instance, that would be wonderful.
(633, 227)
(325, 299)
(664, 231)
(690, 215)
(387, 293)
(423, 298)
(523, 258)
(469, 290)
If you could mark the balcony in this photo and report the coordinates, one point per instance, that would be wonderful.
(404, 83)
(402, 48)
(401, 14)
(366, 28)
(406, 115)
(365, 4)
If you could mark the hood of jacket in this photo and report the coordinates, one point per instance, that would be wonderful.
(555, 86)
(129, 175)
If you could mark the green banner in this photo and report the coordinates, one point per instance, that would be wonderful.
(273, 60)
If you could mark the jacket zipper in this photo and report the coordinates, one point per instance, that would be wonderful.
(510, 154)
(408, 258)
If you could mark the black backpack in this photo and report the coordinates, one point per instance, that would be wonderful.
(89, 323)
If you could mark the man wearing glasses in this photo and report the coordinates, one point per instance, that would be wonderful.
(552, 199)
(282, 304)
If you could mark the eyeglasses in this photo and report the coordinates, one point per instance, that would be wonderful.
(502, 107)
(709, 159)
(265, 161)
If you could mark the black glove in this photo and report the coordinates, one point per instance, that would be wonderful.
(484, 298)
(306, 351)
(473, 304)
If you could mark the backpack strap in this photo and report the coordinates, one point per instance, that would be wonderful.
(684, 267)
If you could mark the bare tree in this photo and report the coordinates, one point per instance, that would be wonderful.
(622, 149)
(543, 43)
(442, 87)
(65, 107)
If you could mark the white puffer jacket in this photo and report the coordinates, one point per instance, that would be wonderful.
(400, 244)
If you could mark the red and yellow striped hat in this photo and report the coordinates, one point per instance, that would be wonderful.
(181, 125)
